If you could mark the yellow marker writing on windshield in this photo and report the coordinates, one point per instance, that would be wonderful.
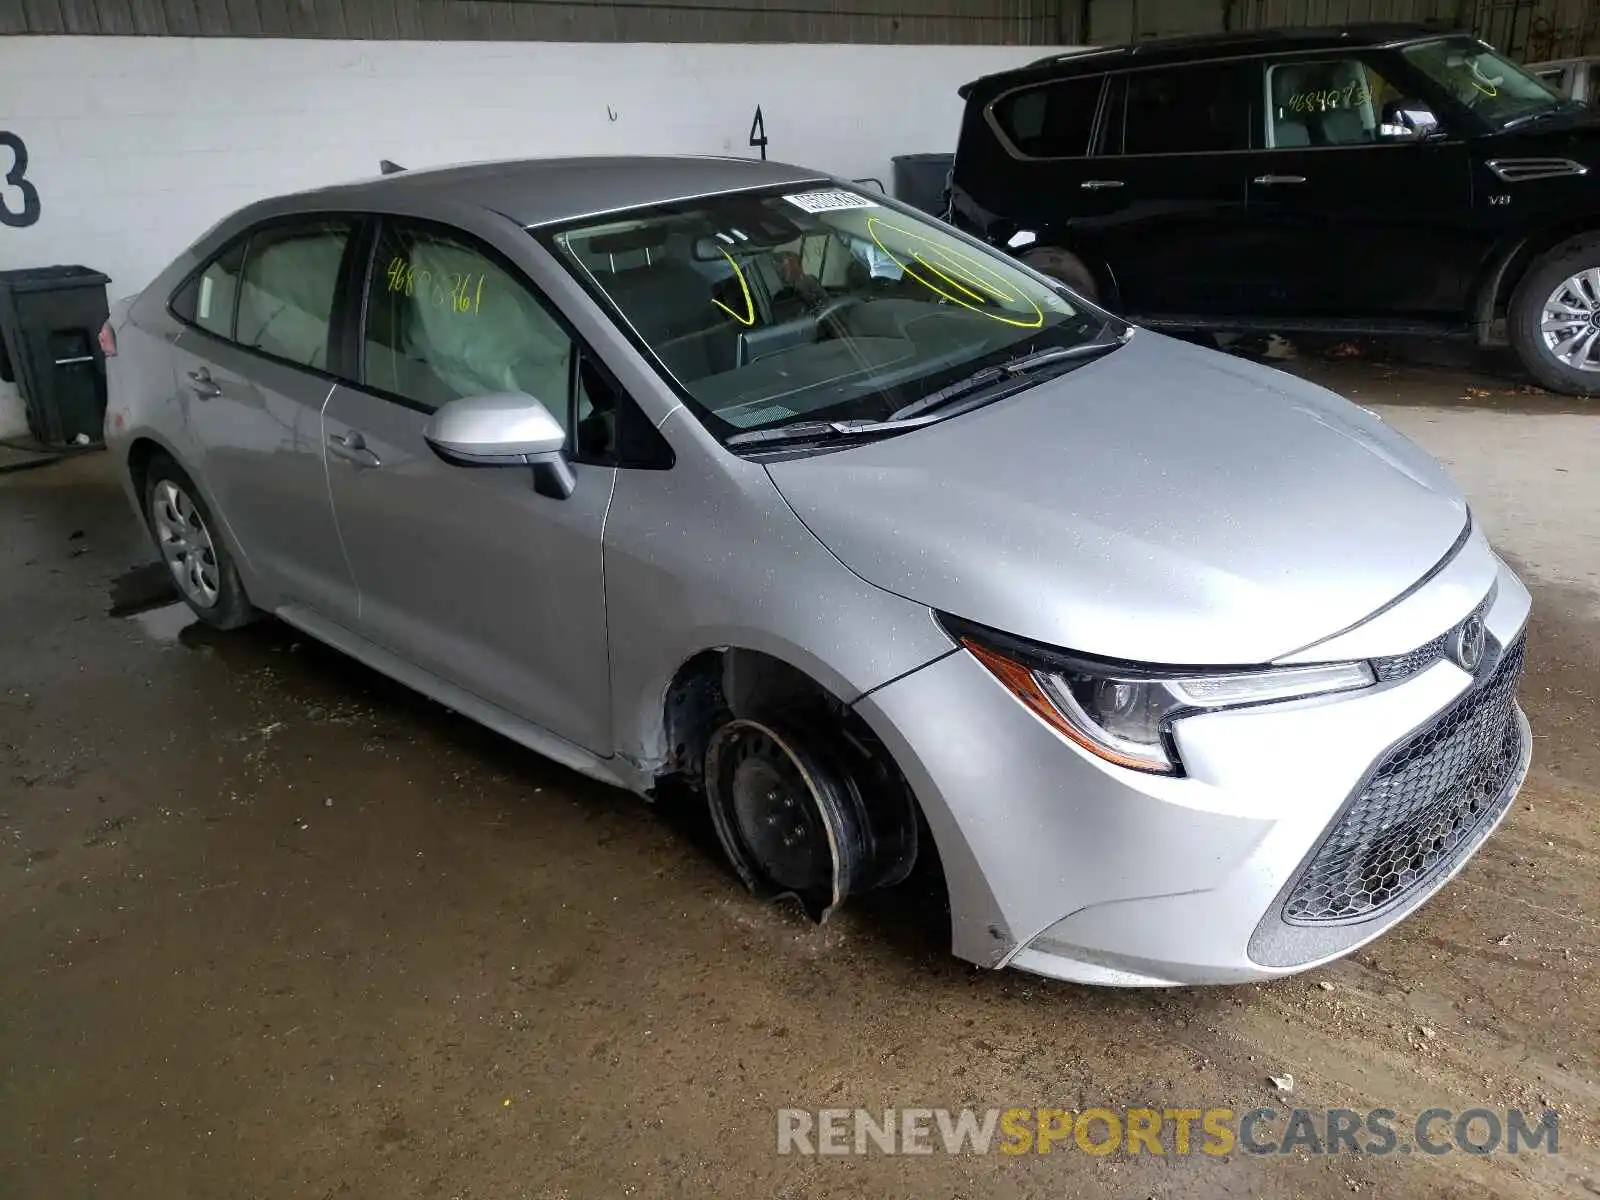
(749, 305)
(958, 272)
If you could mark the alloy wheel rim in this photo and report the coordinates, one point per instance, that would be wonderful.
(1571, 323)
(185, 543)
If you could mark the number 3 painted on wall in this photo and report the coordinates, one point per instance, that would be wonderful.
(15, 180)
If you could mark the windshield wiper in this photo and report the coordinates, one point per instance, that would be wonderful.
(813, 431)
(1564, 108)
(1011, 369)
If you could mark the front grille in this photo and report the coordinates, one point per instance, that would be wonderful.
(1402, 666)
(1417, 813)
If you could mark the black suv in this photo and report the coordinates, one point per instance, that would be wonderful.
(1373, 180)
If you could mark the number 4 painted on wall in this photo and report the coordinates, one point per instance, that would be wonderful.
(758, 133)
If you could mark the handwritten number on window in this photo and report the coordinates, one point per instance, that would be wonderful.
(16, 182)
(758, 133)
(458, 292)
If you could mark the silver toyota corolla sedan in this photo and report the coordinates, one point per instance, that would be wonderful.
(1181, 669)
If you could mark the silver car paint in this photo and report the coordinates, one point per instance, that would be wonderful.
(1162, 504)
(649, 568)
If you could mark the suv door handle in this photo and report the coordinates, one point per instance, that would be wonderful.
(200, 383)
(352, 447)
(1095, 185)
(1274, 180)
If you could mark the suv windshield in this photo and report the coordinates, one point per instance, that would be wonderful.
(1497, 90)
(813, 303)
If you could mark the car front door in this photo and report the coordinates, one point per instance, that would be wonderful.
(1352, 221)
(469, 573)
(1160, 204)
(253, 370)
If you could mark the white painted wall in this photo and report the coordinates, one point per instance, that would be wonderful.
(137, 145)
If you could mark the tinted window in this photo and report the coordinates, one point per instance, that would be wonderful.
(446, 320)
(1053, 121)
(291, 273)
(207, 300)
(1333, 102)
(1197, 109)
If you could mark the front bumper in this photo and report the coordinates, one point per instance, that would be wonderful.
(1061, 864)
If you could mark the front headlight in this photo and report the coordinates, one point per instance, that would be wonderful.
(1124, 713)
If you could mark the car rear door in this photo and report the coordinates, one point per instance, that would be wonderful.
(1349, 224)
(1161, 204)
(253, 370)
(469, 573)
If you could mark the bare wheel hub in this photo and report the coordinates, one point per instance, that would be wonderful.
(776, 814)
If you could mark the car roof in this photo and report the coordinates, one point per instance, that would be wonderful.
(1207, 46)
(547, 191)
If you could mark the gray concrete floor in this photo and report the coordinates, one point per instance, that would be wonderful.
(273, 926)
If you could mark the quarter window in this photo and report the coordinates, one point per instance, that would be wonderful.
(1055, 120)
(1199, 109)
(1335, 102)
(286, 295)
(208, 299)
(445, 320)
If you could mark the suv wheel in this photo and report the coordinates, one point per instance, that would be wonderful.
(187, 538)
(1065, 266)
(1555, 318)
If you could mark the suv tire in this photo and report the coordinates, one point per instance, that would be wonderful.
(1529, 301)
(1065, 266)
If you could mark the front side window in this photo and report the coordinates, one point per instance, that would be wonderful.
(1054, 120)
(1326, 102)
(1175, 110)
(445, 320)
(815, 302)
(286, 292)
(1477, 78)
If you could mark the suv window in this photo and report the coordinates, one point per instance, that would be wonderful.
(286, 294)
(446, 320)
(1328, 102)
(1195, 109)
(208, 299)
(1054, 120)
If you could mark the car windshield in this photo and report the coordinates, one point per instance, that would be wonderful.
(1496, 89)
(813, 303)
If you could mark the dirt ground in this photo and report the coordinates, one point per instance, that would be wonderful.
(272, 926)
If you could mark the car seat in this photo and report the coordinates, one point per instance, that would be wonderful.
(1289, 129)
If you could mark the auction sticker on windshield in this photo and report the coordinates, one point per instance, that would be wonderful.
(831, 200)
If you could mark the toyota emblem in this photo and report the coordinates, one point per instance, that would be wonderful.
(1467, 646)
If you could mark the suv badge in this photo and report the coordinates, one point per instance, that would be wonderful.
(1467, 645)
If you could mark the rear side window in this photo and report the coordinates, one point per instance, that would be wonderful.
(286, 294)
(208, 299)
(1054, 120)
(1200, 109)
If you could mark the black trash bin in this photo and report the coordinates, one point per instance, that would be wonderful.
(921, 180)
(50, 319)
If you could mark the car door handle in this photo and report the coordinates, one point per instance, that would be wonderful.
(1095, 185)
(1275, 180)
(352, 447)
(201, 384)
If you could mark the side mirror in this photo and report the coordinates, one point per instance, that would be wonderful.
(504, 429)
(1407, 121)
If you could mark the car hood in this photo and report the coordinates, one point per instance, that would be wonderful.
(1162, 504)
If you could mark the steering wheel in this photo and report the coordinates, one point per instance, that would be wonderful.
(832, 308)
